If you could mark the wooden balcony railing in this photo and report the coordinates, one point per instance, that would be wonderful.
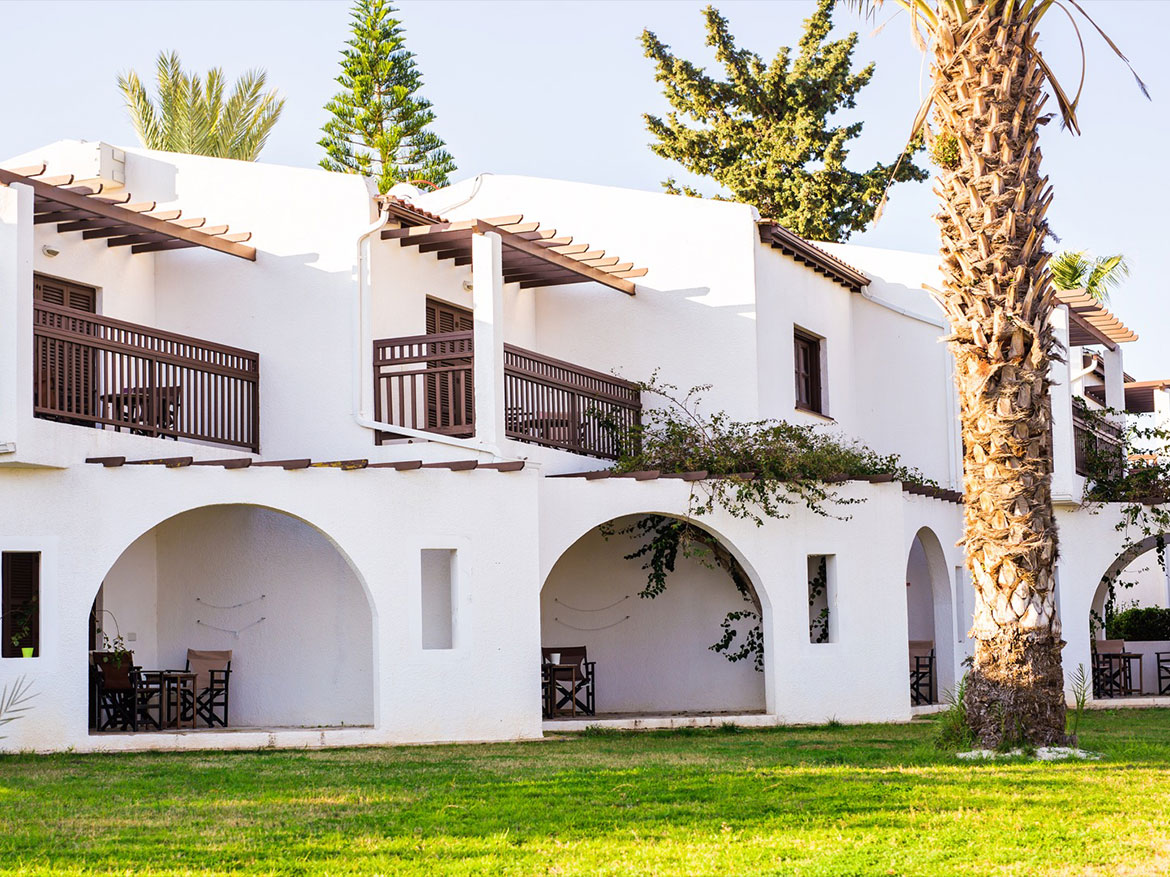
(95, 371)
(1095, 436)
(425, 382)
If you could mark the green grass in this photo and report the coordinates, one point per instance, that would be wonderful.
(877, 799)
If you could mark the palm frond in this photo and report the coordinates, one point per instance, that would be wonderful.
(14, 700)
(192, 115)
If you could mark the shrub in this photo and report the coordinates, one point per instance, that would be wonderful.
(1140, 624)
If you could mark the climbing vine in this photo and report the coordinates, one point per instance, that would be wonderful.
(751, 470)
(1133, 471)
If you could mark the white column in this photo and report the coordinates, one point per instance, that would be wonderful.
(487, 278)
(1114, 378)
(16, 352)
(1064, 477)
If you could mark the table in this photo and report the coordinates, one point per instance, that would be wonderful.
(549, 673)
(1114, 672)
(135, 406)
(176, 683)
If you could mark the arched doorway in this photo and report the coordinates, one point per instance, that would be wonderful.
(1125, 636)
(266, 585)
(652, 656)
(929, 620)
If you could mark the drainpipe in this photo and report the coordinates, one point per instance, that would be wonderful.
(361, 414)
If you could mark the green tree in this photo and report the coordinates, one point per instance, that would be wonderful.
(379, 121)
(193, 116)
(765, 134)
(1096, 275)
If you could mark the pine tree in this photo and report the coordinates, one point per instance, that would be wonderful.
(765, 134)
(379, 121)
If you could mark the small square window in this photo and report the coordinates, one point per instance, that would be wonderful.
(808, 372)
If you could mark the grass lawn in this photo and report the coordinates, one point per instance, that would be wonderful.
(875, 799)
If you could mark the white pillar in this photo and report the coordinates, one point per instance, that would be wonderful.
(16, 351)
(1065, 486)
(487, 278)
(1114, 378)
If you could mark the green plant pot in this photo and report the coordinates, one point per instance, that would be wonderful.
(27, 651)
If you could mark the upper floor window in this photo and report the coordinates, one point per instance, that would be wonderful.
(808, 372)
(20, 593)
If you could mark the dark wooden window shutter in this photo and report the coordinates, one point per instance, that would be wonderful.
(66, 383)
(64, 294)
(808, 371)
(20, 597)
(442, 318)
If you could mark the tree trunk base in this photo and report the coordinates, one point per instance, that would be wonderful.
(1015, 693)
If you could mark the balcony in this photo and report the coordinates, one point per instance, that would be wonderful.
(426, 383)
(109, 374)
(1095, 437)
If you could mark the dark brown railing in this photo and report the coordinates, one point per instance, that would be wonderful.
(425, 382)
(561, 405)
(95, 371)
(1093, 435)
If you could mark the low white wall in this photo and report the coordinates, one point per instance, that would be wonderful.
(652, 654)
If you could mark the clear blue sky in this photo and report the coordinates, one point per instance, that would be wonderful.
(558, 88)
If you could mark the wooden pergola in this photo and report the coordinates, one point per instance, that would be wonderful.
(1090, 322)
(118, 220)
(532, 256)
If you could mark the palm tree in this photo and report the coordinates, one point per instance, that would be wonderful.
(192, 116)
(987, 91)
(1098, 276)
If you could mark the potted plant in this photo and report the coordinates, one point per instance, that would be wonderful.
(22, 628)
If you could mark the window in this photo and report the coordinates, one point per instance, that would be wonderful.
(20, 584)
(822, 596)
(438, 598)
(808, 372)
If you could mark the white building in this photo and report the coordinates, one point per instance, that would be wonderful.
(251, 443)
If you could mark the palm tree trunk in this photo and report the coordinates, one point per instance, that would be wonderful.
(997, 296)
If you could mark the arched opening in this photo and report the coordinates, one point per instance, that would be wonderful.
(1129, 625)
(265, 586)
(929, 620)
(651, 656)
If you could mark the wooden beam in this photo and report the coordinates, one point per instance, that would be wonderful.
(587, 272)
(344, 465)
(400, 465)
(108, 462)
(508, 466)
(422, 230)
(146, 223)
(160, 246)
(32, 171)
(287, 464)
(169, 462)
(453, 465)
(230, 463)
(147, 238)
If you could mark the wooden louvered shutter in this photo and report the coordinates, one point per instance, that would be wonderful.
(66, 370)
(20, 582)
(443, 318)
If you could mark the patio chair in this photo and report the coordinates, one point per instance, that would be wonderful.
(1113, 669)
(125, 697)
(213, 670)
(1163, 659)
(921, 672)
(568, 683)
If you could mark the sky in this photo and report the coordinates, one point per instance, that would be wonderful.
(558, 89)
